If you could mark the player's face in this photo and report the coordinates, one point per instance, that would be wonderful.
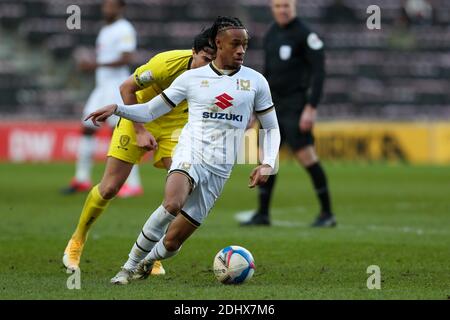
(283, 11)
(111, 9)
(203, 57)
(232, 45)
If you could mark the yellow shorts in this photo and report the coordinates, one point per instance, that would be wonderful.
(166, 132)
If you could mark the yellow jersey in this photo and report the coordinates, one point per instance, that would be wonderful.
(158, 74)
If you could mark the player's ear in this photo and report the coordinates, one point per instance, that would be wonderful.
(218, 43)
(194, 59)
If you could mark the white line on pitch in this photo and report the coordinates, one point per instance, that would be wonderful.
(245, 216)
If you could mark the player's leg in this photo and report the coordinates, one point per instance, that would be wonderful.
(133, 186)
(81, 182)
(84, 158)
(262, 215)
(122, 155)
(177, 189)
(160, 216)
(167, 137)
(308, 158)
(162, 158)
(116, 172)
(170, 244)
(207, 190)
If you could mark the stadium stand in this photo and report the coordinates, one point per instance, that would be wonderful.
(400, 71)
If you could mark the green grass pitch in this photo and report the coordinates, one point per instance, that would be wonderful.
(393, 216)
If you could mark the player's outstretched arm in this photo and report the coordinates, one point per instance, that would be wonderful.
(142, 113)
(271, 146)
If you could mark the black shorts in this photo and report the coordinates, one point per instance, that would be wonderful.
(288, 113)
(291, 134)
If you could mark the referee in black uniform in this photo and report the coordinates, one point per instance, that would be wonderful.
(294, 67)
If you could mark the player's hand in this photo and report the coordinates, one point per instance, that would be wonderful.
(101, 114)
(144, 139)
(260, 175)
(308, 118)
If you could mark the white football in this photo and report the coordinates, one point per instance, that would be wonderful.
(234, 265)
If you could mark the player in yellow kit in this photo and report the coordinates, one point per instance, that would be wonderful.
(130, 140)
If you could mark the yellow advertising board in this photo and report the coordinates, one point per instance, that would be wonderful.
(413, 142)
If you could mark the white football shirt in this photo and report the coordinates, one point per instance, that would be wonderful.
(220, 107)
(113, 40)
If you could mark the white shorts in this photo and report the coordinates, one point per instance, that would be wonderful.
(100, 97)
(206, 188)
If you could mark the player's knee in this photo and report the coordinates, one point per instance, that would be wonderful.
(173, 205)
(172, 243)
(307, 157)
(109, 190)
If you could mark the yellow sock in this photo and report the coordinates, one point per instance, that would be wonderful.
(93, 208)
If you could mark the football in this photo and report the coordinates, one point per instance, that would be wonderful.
(234, 265)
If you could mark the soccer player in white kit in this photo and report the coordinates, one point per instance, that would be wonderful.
(114, 47)
(221, 97)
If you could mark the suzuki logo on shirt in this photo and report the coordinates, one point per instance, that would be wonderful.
(223, 101)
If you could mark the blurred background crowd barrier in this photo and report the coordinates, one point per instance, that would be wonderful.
(387, 93)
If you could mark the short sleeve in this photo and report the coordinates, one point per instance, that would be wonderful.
(127, 40)
(263, 98)
(145, 75)
(177, 91)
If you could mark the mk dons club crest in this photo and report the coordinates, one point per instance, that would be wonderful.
(285, 52)
(245, 85)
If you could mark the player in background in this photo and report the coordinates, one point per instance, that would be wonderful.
(294, 64)
(115, 45)
(131, 141)
(221, 98)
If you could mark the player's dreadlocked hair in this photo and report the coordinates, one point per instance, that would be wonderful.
(202, 40)
(224, 23)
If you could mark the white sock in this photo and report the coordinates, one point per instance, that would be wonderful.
(134, 180)
(84, 158)
(159, 252)
(151, 233)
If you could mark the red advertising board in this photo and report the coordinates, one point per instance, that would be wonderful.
(46, 141)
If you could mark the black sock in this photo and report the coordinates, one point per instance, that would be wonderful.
(319, 180)
(265, 195)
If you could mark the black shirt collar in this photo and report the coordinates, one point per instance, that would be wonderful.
(218, 72)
